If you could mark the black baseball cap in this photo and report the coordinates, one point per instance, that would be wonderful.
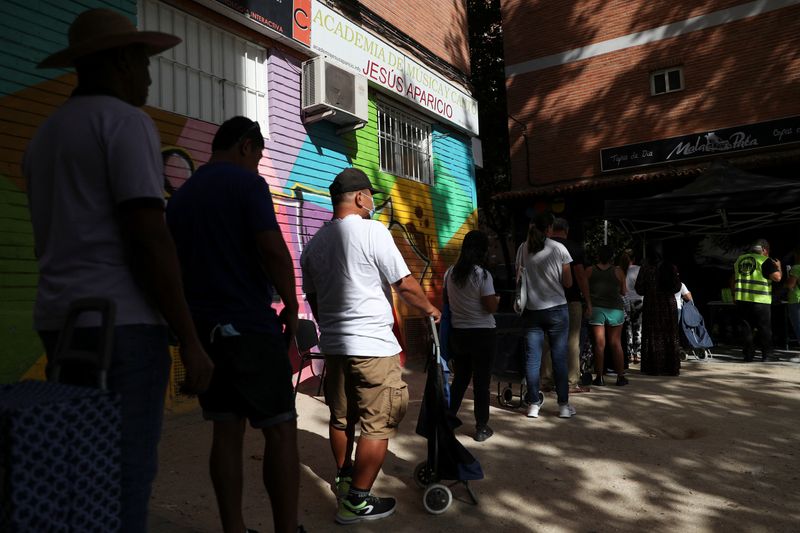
(349, 180)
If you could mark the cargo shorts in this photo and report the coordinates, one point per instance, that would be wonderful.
(366, 390)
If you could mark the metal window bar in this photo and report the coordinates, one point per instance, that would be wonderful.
(404, 143)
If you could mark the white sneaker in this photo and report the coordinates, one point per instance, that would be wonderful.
(533, 410)
(566, 411)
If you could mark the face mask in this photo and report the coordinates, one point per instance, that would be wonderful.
(371, 211)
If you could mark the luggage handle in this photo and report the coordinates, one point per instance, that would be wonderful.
(101, 356)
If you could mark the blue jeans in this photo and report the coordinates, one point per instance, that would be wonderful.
(553, 322)
(139, 373)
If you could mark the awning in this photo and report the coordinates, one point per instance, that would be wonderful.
(600, 182)
(722, 200)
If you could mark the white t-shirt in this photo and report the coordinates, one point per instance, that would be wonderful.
(350, 265)
(679, 296)
(545, 269)
(630, 283)
(465, 302)
(92, 154)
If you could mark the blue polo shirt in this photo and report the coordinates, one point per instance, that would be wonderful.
(214, 218)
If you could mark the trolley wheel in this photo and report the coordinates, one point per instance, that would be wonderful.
(423, 475)
(505, 397)
(437, 498)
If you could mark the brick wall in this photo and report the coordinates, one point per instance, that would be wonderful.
(439, 26)
(561, 26)
(738, 73)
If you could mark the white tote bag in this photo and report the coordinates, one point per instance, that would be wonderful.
(521, 290)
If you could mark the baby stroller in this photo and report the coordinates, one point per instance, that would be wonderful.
(447, 458)
(509, 361)
(694, 336)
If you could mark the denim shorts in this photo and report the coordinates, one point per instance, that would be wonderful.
(606, 316)
(369, 390)
(252, 379)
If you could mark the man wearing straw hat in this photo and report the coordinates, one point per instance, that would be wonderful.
(95, 190)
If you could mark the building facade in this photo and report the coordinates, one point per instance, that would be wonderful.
(406, 119)
(611, 99)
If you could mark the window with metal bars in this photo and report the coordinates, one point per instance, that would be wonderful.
(211, 75)
(404, 144)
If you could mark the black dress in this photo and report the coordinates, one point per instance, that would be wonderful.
(660, 346)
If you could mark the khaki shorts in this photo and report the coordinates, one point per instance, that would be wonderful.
(367, 390)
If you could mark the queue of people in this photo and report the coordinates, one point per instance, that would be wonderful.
(210, 267)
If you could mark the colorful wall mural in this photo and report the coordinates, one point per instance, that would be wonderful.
(428, 222)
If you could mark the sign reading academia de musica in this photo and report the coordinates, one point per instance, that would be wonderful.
(291, 18)
(348, 44)
(727, 140)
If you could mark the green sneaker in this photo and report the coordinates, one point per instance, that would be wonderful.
(370, 508)
(342, 483)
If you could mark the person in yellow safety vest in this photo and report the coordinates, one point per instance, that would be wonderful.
(752, 291)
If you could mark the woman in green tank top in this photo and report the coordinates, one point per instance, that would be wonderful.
(793, 284)
(607, 287)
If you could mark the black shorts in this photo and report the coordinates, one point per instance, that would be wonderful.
(252, 378)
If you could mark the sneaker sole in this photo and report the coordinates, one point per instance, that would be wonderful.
(347, 520)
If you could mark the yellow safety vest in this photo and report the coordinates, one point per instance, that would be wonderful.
(750, 284)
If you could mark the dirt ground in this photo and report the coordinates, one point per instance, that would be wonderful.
(715, 449)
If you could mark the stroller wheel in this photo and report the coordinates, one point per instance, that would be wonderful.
(422, 475)
(437, 498)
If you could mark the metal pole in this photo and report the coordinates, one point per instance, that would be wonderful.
(605, 231)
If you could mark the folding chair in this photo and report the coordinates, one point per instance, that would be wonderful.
(306, 339)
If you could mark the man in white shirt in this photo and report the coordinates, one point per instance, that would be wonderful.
(349, 267)
(681, 296)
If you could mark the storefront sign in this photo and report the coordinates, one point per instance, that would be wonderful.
(727, 140)
(348, 44)
(291, 18)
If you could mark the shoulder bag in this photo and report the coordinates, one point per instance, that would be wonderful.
(521, 289)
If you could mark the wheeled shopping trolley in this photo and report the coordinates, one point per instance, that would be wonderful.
(59, 443)
(447, 459)
(509, 362)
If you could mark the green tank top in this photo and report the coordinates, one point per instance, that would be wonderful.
(604, 288)
(794, 294)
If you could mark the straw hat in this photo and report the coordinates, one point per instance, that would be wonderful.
(102, 29)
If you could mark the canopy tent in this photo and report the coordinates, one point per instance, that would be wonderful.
(722, 200)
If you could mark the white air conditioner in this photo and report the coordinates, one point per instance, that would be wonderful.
(333, 93)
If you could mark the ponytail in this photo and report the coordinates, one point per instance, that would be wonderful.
(538, 232)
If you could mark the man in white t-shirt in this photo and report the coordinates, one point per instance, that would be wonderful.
(349, 268)
(681, 296)
(96, 197)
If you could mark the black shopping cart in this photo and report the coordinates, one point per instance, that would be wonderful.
(447, 458)
(509, 361)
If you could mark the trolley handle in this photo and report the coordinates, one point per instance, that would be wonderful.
(101, 356)
(434, 331)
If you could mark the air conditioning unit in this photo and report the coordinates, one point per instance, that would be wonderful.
(333, 93)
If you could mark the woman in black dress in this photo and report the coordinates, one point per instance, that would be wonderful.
(658, 282)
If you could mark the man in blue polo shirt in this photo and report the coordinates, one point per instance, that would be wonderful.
(233, 259)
